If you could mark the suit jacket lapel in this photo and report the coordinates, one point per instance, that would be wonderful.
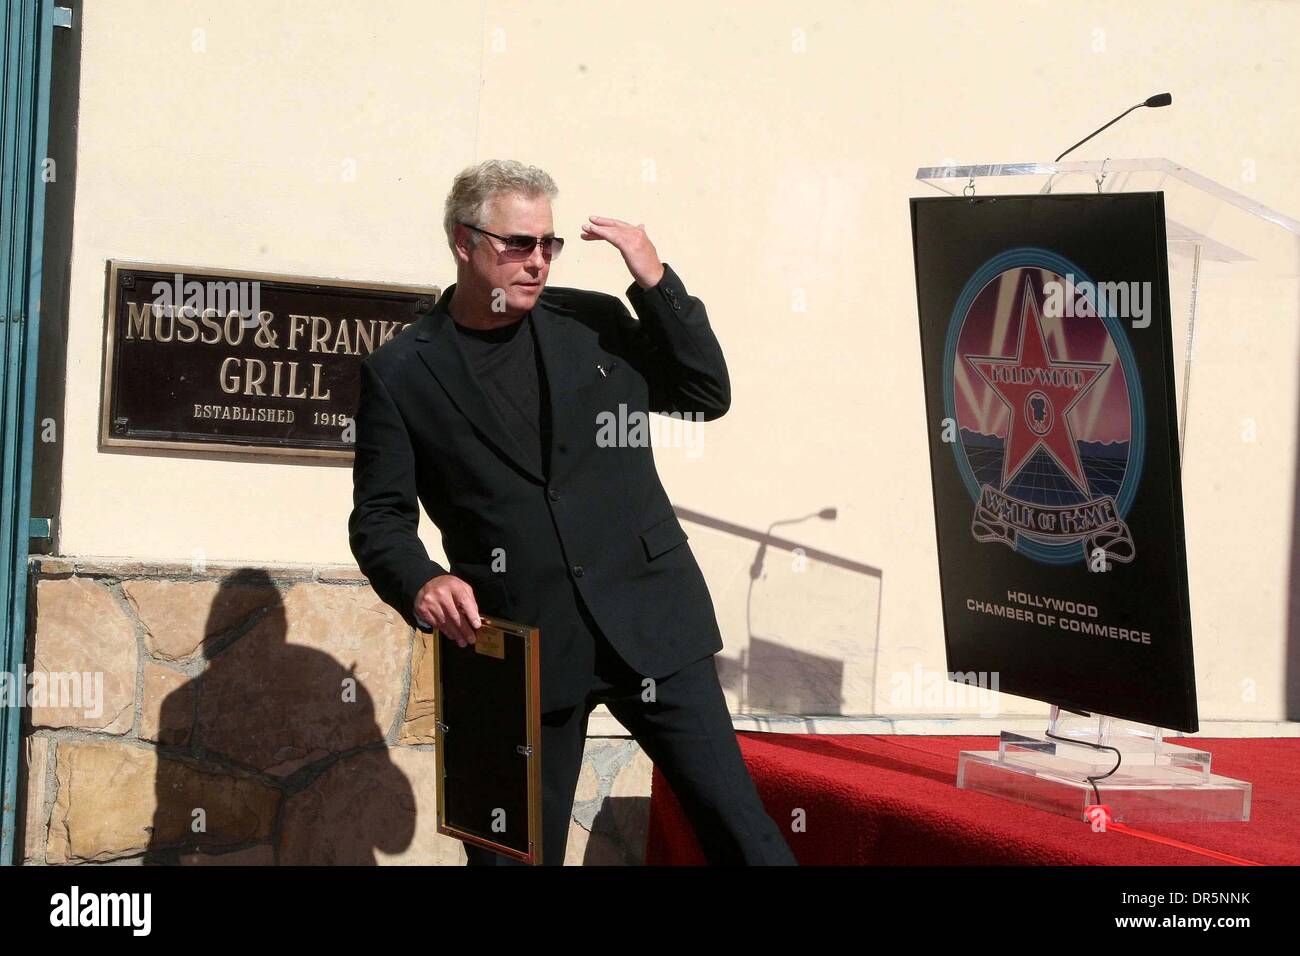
(565, 355)
(441, 352)
(570, 354)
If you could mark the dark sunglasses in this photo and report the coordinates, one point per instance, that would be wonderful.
(522, 246)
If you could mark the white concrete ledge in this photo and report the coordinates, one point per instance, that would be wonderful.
(603, 724)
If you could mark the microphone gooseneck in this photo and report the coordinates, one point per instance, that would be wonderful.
(1160, 99)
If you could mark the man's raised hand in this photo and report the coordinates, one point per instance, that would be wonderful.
(637, 249)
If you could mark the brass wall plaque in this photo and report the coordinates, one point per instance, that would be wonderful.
(251, 362)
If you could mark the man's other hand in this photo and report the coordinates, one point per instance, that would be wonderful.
(448, 604)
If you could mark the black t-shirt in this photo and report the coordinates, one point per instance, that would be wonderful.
(506, 362)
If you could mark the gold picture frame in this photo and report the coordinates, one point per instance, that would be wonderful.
(497, 698)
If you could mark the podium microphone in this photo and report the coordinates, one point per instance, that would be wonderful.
(1160, 99)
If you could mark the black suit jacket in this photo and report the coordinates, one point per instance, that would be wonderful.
(603, 523)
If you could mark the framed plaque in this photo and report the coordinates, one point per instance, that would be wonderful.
(489, 760)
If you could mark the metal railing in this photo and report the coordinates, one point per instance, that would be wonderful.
(26, 45)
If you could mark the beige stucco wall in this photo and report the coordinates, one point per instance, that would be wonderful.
(770, 149)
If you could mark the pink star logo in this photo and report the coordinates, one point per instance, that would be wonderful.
(1039, 393)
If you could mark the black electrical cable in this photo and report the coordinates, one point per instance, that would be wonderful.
(1119, 759)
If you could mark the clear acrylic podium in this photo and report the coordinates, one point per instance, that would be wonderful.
(1080, 761)
(1072, 766)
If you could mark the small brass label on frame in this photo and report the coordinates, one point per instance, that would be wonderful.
(491, 641)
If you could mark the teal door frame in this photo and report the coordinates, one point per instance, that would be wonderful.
(27, 41)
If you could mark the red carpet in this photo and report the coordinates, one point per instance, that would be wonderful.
(893, 800)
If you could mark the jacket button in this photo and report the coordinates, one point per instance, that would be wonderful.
(553, 495)
(577, 570)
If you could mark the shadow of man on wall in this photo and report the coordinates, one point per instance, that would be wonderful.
(271, 753)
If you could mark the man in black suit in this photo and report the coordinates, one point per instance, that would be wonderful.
(495, 412)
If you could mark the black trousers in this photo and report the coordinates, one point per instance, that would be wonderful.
(686, 732)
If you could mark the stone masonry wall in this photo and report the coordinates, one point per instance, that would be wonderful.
(251, 715)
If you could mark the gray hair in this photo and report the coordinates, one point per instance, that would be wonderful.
(474, 187)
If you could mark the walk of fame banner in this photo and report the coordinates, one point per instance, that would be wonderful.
(1049, 385)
